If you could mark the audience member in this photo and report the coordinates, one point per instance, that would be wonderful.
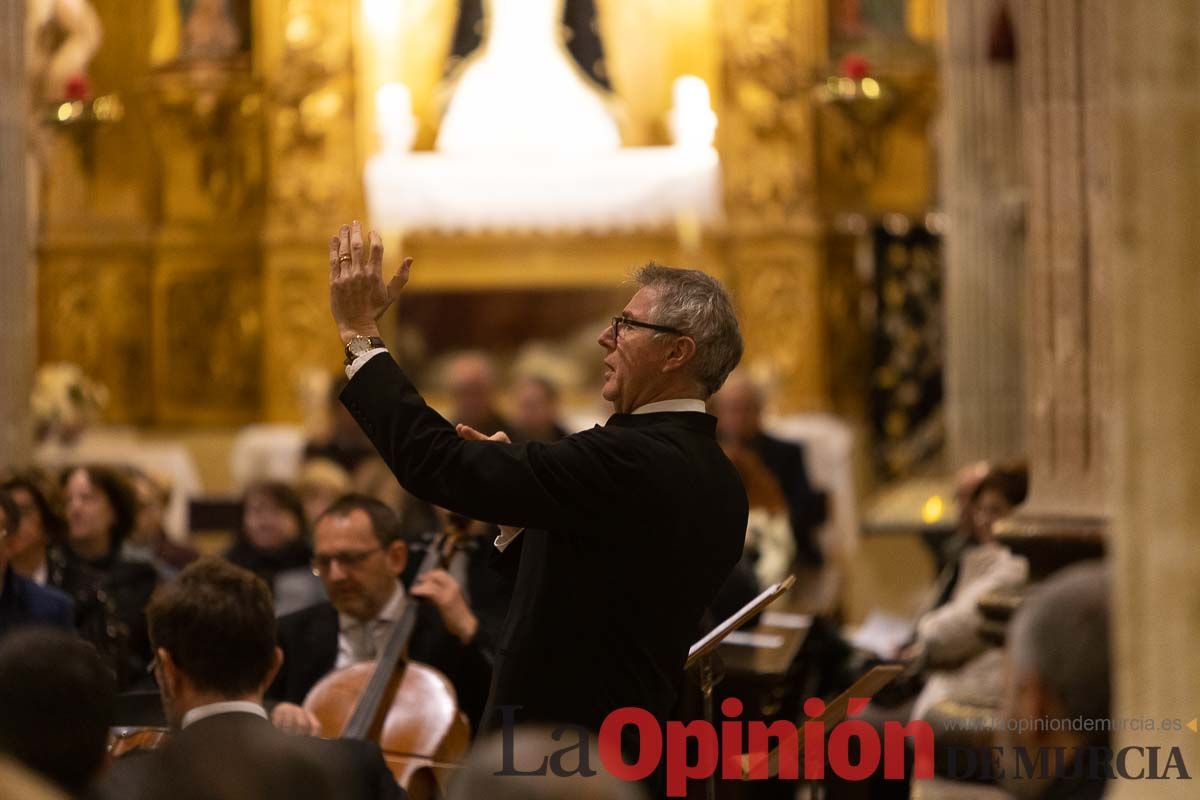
(57, 700)
(40, 524)
(321, 482)
(359, 557)
(343, 443)
(23, 602)
(739, 408)
(1059, 671)
(100, 511)
(959, 663)
(536, 408)
(149, 533)
(213, 631)
(471, 382)
(273, 544)
(38, 552)
(1001, 490)
(770, 546)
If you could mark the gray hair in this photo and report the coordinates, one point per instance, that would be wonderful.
(1060, 634)
(698, 305)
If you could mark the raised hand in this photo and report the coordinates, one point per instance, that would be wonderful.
(358, 295)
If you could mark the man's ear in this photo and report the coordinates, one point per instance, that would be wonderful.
(276, 665)
(168, 673)
(683, 349)
(1034, 701)
(397, 557)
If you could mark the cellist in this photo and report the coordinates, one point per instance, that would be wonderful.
(359, 556)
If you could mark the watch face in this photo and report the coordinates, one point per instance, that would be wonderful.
(358, 346)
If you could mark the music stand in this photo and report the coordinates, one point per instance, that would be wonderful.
(701, 652)
(865, 687)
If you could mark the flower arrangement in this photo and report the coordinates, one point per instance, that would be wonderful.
(64, 402)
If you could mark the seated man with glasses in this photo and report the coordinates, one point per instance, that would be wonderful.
(359, 556)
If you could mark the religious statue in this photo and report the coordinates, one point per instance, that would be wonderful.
(523, 94)
(61, 36)
(209, 31)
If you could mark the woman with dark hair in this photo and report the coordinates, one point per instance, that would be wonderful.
(100, 512)
(38, 552)
(273, 543)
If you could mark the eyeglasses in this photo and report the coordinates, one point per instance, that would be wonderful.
(348, 559)
(617, 322)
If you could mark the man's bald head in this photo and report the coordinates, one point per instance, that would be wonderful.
(471, 382)
(738, 408)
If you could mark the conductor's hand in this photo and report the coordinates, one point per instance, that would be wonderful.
(291, 718)
(358, 295)
(470, 434)
(440, 588)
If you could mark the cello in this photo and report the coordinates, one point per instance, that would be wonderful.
(409, 709)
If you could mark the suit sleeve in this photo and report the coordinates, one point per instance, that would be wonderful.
(537, 485)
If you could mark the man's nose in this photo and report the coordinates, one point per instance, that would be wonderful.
(336, 571)
(605, 339)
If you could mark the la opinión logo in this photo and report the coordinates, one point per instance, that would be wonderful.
(740, 750)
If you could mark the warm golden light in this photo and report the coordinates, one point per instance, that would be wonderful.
(65, 112)
(933, 510)
(870, 88)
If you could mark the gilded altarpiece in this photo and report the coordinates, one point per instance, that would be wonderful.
(306, 52)
(182, 248)
(772, 50)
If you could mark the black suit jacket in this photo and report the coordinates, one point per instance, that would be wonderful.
(631, 528)
(309, 640)
(806, 507)
(245, 754)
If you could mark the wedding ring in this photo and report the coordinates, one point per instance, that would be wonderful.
(344, 257)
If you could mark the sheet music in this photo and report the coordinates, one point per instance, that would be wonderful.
(769, 641)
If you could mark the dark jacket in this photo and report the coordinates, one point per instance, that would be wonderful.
(309, 640)
(244, 754)
(110, 602)
(806, 507)
(631, 528)
(23, 602)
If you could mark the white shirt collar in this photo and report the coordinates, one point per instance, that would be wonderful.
(682, 404)
(391, 612)
(229, 707)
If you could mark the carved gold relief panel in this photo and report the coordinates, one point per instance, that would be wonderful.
(299, 335)
(778, 288)
(314, 164)
(208, 337)
(770, 52)
(93, 311)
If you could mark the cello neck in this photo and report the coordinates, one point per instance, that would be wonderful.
(362, 721)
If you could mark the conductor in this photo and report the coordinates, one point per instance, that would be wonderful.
(620, 536)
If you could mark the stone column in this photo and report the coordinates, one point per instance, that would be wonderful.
(1063, 49)
(17, 297)
(982, 193)
(1156, 367)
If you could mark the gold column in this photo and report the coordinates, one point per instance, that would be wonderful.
(315, 182)
(771, 51)
(1156, 371)
(17, 309)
